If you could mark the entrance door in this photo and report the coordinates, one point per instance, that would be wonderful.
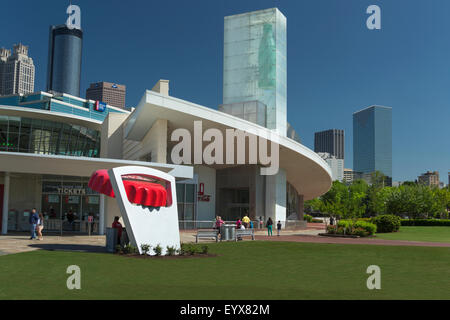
(1, 204)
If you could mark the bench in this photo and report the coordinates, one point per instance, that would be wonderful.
(242, 233)
(208, 234)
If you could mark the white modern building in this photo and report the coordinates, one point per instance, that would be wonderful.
(47, 165)
(336, 165)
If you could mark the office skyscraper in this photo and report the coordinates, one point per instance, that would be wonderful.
(64, 60)
(254, 66)
(16, 71)
(372, 140)
(110, 93)
(330, 141)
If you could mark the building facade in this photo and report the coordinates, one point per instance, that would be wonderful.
(110, 93)
(372, 141)
(65, 139)
(429, 178)
(16, 71)
(336, 165)
(64, 60)
(330, 141)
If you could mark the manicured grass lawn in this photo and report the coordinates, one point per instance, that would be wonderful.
(433, 234)
(244, 270)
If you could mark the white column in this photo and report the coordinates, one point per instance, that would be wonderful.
(5, 204)
(276, 197)
(101, 223)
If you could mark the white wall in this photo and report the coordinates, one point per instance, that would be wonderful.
(276, 197)
(155, 141)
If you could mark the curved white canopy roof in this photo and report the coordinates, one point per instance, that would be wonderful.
(305, 170)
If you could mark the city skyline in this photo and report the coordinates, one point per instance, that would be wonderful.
(350, 84)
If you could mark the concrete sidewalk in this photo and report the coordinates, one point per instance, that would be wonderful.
(20, 242)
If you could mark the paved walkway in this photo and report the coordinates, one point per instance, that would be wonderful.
(20, 242)
(335, 240)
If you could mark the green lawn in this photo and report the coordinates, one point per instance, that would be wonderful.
(433, 234)
(244, 270)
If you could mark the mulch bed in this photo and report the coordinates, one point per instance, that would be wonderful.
(338, 235)
(146, 256)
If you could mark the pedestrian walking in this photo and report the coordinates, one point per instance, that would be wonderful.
(40, 226)
(269, 226)
(34, 217)
(261, 221)
(218, 224)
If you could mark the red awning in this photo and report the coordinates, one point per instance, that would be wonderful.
(139, 192)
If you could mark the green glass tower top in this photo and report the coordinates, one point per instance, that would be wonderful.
(255, 63)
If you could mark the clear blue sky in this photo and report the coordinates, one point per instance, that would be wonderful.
(336, 66)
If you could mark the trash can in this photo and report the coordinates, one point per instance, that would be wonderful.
(228, 232)
(111, 239)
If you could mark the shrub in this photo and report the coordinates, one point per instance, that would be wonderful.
(369, 228)
(387, 223)
(346, 226)
(171, 251)
(360, 232)
(316, 220)
(331, 229)
(145, 248)
(192, 250)
(308, 218)
(183, 249)
(157, 250)
(426, 222)
(205, 249)
(128, 248)
(360, 227)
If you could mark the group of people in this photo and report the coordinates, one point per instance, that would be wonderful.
(269, 226)
(246, 223)
(37, 224)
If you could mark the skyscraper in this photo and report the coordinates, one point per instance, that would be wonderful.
(254, 67)
(16, 71)
(372, 140)
(331, 141)
(64, 60)
(110, 93)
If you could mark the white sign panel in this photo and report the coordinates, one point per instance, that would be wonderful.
(147, 225)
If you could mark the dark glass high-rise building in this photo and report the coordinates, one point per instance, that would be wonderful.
(372, 140)
(64, 60)
(331, 141)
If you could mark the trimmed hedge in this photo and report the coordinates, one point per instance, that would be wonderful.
(387, 223)
(426, 222)
(360, 228)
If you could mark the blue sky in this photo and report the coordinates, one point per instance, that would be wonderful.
(336, 66)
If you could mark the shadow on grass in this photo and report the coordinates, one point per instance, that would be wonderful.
(69, 247)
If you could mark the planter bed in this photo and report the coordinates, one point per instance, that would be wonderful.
(339, 235)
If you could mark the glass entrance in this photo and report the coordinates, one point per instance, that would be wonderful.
(67, 204)
(187, 203)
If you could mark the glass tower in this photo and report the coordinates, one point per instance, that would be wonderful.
(255, 63)
(372, 140)
(64, 60)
